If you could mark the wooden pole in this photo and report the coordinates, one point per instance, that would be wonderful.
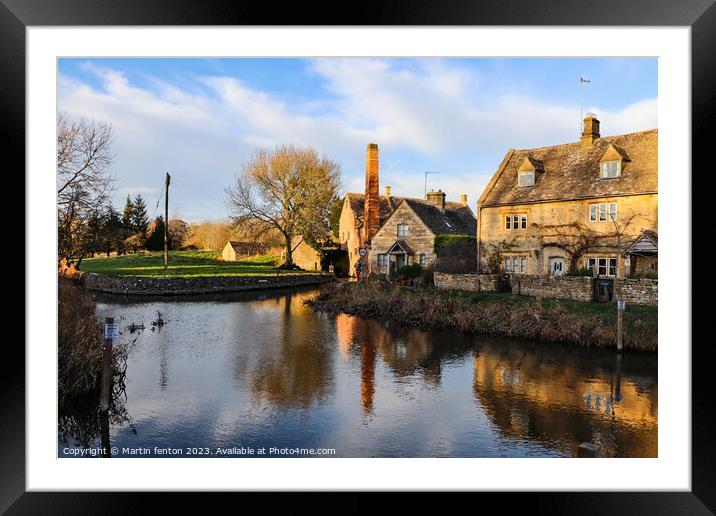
(106, 387)
(620, 324)
(166, 223)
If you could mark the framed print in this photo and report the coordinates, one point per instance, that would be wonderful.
(414, 250)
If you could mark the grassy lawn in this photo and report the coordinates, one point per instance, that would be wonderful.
(181, 263)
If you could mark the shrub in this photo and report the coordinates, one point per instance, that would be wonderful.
(428, 279)
(580, 272)
(409, 271)
(455, 254)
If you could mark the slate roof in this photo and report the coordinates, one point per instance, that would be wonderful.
(647, 242)
(357, 201)
(457, 219)
(571, 172)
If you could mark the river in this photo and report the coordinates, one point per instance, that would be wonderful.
(232, 375)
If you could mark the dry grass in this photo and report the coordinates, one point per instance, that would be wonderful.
(80, 346)
(584, 324)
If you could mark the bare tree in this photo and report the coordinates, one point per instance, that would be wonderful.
(575, 238)
(83, 181)
(289, 190)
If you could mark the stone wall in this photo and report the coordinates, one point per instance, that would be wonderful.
(575, 288)
(186, 286)
(469, 282)
(639, 291)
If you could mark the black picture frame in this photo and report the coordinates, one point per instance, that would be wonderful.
(700, 15)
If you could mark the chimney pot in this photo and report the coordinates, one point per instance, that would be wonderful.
(387, 191)
(590, 133)
(437, 199)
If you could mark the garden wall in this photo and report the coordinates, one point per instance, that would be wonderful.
(639, 291)
(575, 288)
(186, 286)
(469, 282)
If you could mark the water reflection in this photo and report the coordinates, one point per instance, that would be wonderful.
(261, 369)
(564, 399)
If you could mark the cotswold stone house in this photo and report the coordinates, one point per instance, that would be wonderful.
(397, 231)
(408, 234)
(576, 205)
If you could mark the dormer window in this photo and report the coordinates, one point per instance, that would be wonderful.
(527, 172)
(612, 162)
(526, 178)
(611, 169)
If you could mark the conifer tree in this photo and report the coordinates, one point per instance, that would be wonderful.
(127, 216)
(139, 218)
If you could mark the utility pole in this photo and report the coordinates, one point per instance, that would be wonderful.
(166, 223)
(582, 80)
(426, 182)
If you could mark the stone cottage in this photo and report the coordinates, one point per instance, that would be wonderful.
(235, 250)
(364, 216)
(576, 205)
(408, 235)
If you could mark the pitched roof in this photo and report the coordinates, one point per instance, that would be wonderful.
(457, 219)
(571, 172)
(387, 205)
(647, 242)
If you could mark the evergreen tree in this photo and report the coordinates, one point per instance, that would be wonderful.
(155, 235)
(113, 231)
(139, 218)
(127, 216)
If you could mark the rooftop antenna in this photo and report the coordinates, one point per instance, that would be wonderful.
(582, 80)
(426, 181)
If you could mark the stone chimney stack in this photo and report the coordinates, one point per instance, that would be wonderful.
(437, 199)
(372, 192)
(591, 130)
(463, 199)
(387, 191)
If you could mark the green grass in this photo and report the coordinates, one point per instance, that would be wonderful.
(181, 264)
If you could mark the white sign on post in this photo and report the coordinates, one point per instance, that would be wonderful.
(362, 251)
(621, 304)
(111, 331)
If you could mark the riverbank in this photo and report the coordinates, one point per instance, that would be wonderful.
(193, 285)
(584, 324)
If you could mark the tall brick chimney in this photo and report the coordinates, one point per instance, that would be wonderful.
(437, 199)
(463, 199)
(371, 209)
(590, 131)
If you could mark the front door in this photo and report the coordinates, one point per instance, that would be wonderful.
(556, 266)
(400, 260)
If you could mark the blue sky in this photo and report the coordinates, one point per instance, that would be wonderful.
(201, 119)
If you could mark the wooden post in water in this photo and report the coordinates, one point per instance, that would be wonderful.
(106, 369)
(620, 324)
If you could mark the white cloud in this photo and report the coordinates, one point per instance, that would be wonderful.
(425, 115)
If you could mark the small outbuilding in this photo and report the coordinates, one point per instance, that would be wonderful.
(235, 250)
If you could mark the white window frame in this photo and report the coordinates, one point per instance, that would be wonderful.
(526, 178)
(402, 230)
(422, 260)
(515, 264)
(612, 269)
(591, 263)
(523, 264)
(603, 210)
(508, 264)
(612, 208)
(523, 221)
(508, 222)
(600, 266)
(606, 170)
(383, 261)
(593, 212)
